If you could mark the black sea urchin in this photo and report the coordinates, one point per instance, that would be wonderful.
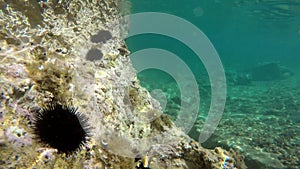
(61, 127)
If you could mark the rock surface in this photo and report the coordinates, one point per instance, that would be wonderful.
(44, 48)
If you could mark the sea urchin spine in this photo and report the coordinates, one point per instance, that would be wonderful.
(61, 127)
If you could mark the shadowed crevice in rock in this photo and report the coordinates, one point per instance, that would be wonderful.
(101, 36)
(94, 54)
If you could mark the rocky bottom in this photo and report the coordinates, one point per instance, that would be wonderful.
(261, 120)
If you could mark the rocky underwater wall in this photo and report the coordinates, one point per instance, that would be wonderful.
(71, 53)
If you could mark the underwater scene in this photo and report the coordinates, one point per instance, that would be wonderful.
(149, 84)
(258, 45)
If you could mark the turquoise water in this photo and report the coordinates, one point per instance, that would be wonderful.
(258, 43)
(241, 31)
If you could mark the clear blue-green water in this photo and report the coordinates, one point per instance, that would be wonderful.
(258, 43)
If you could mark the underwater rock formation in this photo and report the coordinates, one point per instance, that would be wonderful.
(264, 72)
(269, 71)
(46, 57)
